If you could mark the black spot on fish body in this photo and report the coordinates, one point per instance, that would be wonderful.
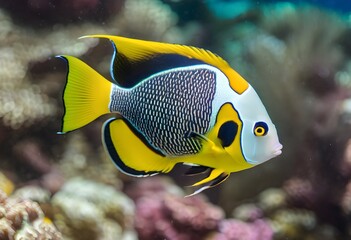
(227, 133)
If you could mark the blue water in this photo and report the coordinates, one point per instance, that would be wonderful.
(231, 8)
(337, 5)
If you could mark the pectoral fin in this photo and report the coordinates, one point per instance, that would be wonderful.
(131, 152)
(208, 145)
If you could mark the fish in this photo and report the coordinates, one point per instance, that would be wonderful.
(171, 104)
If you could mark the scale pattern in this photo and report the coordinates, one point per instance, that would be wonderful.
(168, 106)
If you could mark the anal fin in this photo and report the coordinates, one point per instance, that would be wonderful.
(130, 151)
(215, 178)
(213, 175)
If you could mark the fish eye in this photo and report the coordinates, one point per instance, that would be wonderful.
(227, 133)
(260, 129)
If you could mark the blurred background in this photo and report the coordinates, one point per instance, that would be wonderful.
(296, 54)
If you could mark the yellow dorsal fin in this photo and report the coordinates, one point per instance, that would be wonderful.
(140, 50)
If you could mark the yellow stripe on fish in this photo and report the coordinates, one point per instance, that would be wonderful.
(136, 50)
(177, 104)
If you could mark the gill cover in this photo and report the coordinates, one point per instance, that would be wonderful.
(226, 134)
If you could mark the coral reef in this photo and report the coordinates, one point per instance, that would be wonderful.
(233, 229)
(33, 193)
(30, 109)
(280, 220)
(297, 58)
(31, 84)
(22, 101)
(175, 217)
(163, 215)
(84, 209)
(23, 219)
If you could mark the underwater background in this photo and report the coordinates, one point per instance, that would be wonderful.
(296, 54)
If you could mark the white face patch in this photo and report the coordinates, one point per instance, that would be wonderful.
(255, 149)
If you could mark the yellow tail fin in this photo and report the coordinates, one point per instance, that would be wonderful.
(86, 95)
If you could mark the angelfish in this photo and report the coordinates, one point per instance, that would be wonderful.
(178, 104)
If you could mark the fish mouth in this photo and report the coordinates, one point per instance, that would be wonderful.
(278, 150)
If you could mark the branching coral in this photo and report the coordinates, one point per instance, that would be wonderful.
(173, 217)
(23, 219)
(162, 212)
(88, 210)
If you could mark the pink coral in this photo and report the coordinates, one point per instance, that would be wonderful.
(232, 229)
(300, 192)
(172, 217)
(163, 215)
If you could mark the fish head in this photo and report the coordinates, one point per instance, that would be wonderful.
(244, 133)
(258, 138)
